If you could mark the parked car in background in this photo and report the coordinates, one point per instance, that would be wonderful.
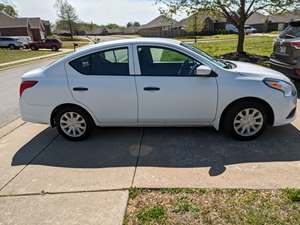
(250, 29)
(155, 82)
(53, 44)
(286, 51)
(25, 41)
(11, 43)
(230, 28)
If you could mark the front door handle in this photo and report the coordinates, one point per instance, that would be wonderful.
(80, 89)
(151, 88)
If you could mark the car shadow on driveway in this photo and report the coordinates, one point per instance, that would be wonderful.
(164, 147)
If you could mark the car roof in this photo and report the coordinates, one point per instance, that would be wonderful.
(135, 41)
(87, 49)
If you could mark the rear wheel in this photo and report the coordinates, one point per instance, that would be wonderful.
(33, 48)
(12, 47)
(246, 120)
(74, 123)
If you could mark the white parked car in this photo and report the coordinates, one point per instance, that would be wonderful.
(155, 82)
(250, 29)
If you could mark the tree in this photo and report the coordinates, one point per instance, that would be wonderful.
(136, 24)
(129, 24)
(235, 11)
(8, 9)
(67, 14)
(133, 24)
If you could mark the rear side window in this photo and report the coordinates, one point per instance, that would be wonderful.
(291, 32)
(110, 62)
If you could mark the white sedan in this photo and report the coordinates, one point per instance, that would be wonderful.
(155, 82)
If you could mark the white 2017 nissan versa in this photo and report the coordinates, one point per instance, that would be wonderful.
(155, 82)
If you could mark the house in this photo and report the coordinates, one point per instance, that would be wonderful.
(278, 22)
(21, 27)
(258, 21)
(159, 27)
(275, 22)
(204, 22)
(200, 23)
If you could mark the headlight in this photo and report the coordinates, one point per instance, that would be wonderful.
(286, 88)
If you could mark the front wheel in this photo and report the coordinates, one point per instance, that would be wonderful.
(74, 123)
(54, 48)
(245, 121)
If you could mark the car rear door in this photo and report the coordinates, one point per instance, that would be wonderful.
(103, 82)
(168, 91)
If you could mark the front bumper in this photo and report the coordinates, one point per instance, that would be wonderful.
(284, 108)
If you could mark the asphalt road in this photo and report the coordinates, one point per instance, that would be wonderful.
(9, 90)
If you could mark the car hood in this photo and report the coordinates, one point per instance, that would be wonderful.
(252, 70)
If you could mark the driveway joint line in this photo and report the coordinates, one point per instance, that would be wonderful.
(63, 192)
(138, 156)
(12, 130)
(37, 155)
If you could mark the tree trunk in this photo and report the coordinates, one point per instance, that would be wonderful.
(241, 39)
(70, 27)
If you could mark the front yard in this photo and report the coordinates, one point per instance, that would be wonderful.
(262, 46)
(213, 206)
(7, 55)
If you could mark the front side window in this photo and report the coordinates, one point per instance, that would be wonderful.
(158, 61)
(109, 62)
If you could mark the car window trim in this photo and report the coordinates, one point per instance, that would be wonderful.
(172, 49)
(103, 50)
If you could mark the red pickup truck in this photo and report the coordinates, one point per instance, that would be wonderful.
(52, 44)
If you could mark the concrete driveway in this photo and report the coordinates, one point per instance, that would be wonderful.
(45, 178)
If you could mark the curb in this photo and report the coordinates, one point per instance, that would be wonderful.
(30, 60)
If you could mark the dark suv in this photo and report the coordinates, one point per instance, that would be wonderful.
(286, 52)
(53, 44)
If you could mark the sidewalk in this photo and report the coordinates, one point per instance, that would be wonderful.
(62, 51)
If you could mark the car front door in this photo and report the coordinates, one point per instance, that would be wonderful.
(169, 92)
(102, 81)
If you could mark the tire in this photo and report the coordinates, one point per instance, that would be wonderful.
(238, 125)
(78, 129)
(33, 48)
(54, 48)
(12, 47)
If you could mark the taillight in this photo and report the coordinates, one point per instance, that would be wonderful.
(27, 84)
(297, 71)
(295, 44)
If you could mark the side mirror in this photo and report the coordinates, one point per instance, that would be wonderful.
(203, 71)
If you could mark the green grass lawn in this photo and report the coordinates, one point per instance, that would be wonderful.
(7, 55)
(215, 36)
(213, 206)
(255, 45)
(69, 44)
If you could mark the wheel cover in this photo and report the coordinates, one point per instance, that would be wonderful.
(248, 122)
(72, 124)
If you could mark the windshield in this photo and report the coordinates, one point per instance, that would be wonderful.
(219, 62)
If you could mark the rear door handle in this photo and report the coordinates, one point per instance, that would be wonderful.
(151, 88)
(80, 89)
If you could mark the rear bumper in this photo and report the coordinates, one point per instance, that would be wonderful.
(286, 69)
(35, 113)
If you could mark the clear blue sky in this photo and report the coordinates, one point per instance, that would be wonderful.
(98, 11)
